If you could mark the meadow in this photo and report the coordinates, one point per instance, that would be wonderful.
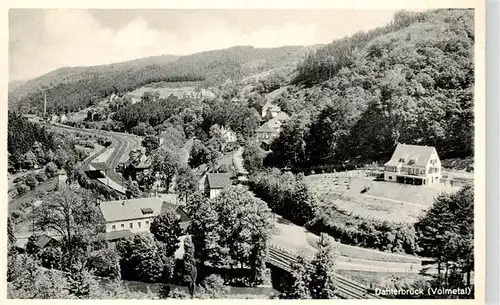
(369, 198)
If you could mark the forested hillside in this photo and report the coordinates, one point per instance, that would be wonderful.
(31, 146)
(71, 89)
(410, 82)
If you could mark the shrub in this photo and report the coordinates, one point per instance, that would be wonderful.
(50, 169)
(40, 176)
(31, 181)
(22, 188)
(213, 287)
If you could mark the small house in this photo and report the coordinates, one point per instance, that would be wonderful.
(413, 164)
(267, 132)
(62, 177)
(228, 135)
(41, 242)
(137, 166)
(215, 183)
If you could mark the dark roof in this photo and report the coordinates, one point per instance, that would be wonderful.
(100, 166)
(94, 174)
(183, 214)
(118, 235)
(44, 240)
(142, 162)
(218, 180)
(411, 155)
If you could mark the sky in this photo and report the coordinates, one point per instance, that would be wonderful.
(42, 40)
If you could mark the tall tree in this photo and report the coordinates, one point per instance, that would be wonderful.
(10, 232)
(190, 269)
(165, 163)
(185, 182)
(166, 229)
(70, 213)
(323, 283)
(204, 228)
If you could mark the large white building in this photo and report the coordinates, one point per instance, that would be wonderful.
(136, 215)
(413, 164)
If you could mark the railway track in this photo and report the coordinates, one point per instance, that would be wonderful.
(346, 288)
(121, 143)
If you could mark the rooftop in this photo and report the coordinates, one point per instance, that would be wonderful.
(266, 127)
(415, 155)
(218, 180)
(136, 208)
(100, 166)
(115, 235)
(281, 116)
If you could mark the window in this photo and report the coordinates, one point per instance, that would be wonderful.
(123, 226)
(139, 224)
(113, 227)
(401, 160)
(390, 177)
(147, 223)
(131, 225)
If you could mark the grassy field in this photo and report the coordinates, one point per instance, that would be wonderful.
(366, 197)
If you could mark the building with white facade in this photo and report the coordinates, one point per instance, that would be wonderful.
(136, 215)
(413, 164)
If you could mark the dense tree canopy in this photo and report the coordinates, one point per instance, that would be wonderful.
(410, 82)
(446, 232)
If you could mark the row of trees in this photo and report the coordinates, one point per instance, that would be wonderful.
(446, 233)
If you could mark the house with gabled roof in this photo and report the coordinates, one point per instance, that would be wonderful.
(215, 183)
(136, 215)
(267, 132)
(270, 109)
(413, 164)
(137, 165)
(282, 117)
(228, 135)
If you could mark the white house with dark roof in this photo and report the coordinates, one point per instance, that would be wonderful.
(413, 164)
(136, 215)
(215, 183)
